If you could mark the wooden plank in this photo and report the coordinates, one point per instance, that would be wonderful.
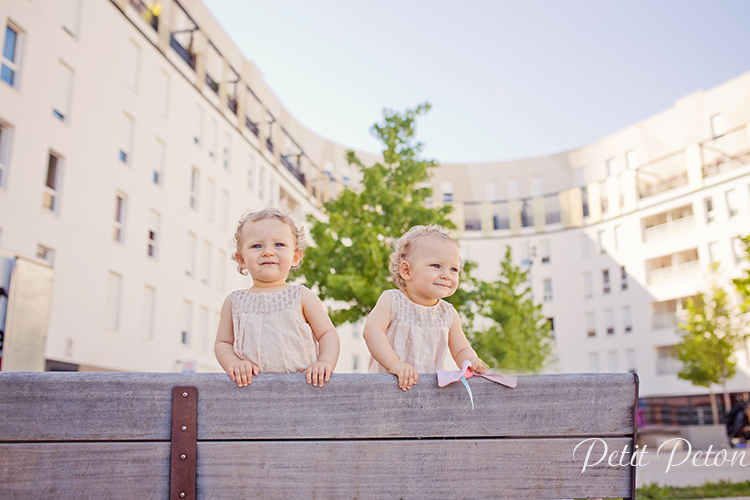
(137, 406)
(362, 469)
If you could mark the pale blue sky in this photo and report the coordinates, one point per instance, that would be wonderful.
(506, 79)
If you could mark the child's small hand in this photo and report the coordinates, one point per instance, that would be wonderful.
(318, 372)
(477, 365)
(407, 374)
(242, 372)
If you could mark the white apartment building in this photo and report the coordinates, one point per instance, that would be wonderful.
(619, 233)
(134, 134)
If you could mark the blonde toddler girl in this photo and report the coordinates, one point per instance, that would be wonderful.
(411, 330)
(273, 326)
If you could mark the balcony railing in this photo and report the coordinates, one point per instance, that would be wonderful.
(252, 127)
(147, 12)
(673, 273)
(184, 53)
(724, 163)
(294, 169)
(668, 366)
(668, 319)
(669, 228)
(213, 85)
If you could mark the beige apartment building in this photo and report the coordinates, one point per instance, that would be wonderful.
(134, 134)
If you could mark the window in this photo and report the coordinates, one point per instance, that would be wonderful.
(600, 239)
(63, 88)
(187, 322)
(544, 250)
(551, 324)
(132, 58)
(514, 189)
(45, 253)
(666, 360)
(594, 362)
(112, 310)
(446, 188)
(212, 137)
(126, 141)
(618, 237)
(580, 177)
(203, 325)
(713, 252)
(718, 125)
(70, 15)
(605, 282)
(11, 52)
(162, 93)
(206, 263)
(738, 249)
(490, 191)
(197, 125)
(708, 204)
(195, 179)
(609, 319)
(251, 175)
(627, 320)
(5, 134)
(611, 167)
(262, 184)
(548, 290)
(221, 270)
(149, 311)
(190, 255)
(50, 197)
(585, 246)
(630, 360)
(159, 158)
(631, 159)
(355, 362)
(731, 196)
(612, 361)
(588, 290)
(153, 235)
(590, 325)
(536, 186)
(118, 228)
(623, 278)
(210, 196)
(224, 209)
(226, 150)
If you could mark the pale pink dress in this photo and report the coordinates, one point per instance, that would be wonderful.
(271, 332)
(418, 334)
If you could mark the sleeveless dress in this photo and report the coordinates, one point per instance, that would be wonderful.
(418, 334)
(271, 332)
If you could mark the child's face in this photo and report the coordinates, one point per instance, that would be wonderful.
(431, 271)
(268, 251)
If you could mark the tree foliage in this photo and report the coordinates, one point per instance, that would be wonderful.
(349, 262)
(519, 336)
(743, 283)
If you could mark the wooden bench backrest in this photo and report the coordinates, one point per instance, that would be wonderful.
(107, 435)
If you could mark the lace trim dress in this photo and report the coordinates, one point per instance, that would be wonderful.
(271, 332)
(418, 334)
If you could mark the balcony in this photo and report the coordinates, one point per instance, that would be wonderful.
(668, 320)
(669, 228)
(668, 366)
(184, 53)
(294, 169)
(674, 272)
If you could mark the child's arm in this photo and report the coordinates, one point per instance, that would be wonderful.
(461, 349)
(374, 334)
(239, 370)
(326, 335)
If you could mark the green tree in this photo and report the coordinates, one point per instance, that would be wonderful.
(709, 337)
(349, 262)
(743, 283)
(519, 336)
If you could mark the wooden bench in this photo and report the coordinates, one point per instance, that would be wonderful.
(116, 435)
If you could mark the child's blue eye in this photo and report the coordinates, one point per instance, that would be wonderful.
(257, 245)
(436, 266)
(454, 270)
(280, 244)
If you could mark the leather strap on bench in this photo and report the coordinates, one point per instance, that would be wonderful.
(184, 443)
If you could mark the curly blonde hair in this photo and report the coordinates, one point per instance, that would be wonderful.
(407, 243)
(267, 213)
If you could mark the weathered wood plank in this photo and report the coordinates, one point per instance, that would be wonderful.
(362, 469)
(137, 406)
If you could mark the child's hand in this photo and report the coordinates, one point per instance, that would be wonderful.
(407, 374)
(477, 365)
(242, 372)
(318, 372)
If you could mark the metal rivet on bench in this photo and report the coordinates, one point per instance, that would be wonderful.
(182, 495)
(184, 428)
(183, 457)
(184, 394)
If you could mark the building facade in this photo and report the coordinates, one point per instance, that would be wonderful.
(134, 134)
